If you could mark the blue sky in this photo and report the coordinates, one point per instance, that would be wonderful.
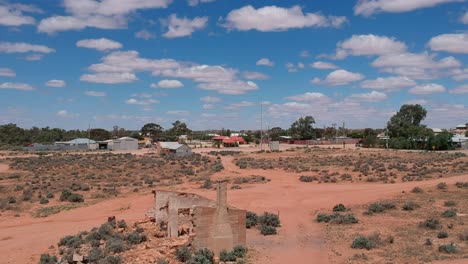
(217, 64)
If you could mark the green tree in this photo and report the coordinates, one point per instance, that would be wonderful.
(302, 128)
(276, 132)
(152, 130)
(369, 138)
(405, 128)
(99, 134)
(179, 128)
(441, 141)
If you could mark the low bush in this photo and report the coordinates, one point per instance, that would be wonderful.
(267, 230)
(227, 256)
(461, 184)
(428, 242)
(417, 190)
(183, 254)
(410, 206)
(380, 207)
(240, 251)
(115, 245)
(122, 224)
(269, 219)
(44, 200)
(442, 234)
(135, 238)
(207, 184)
(448, 248)
(463, 235)
(47, 259)
(449, 213)
(112, 260)
(71, 241)
(339, 208)
(442, 186)
(431, 223)
(251, 220)
(202, 256)
(306, 179)
(161, 261)
(362, 242)
(337, 218)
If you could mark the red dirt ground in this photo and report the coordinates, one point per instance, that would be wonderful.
(299, 240)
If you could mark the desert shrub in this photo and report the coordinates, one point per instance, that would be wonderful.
(11, 199)
(269, 219)
(84, 187)
(71, 241)
(50, 195)
(115, 245)
(27, 195)
(94, 254)
(461, 184)
(65, 194)
(442, 186)
(240, 251)
(140, 230)
(450, 203)
(449, 213)
(112, 260)
(217, 167)
(362, 242)
(339, 208)
(323, 218)
(207, 184)
(47, 259)
(337, 218)
(417, 190)
(183, 254)
(227, 256)
(135, 238)
(431, 223)
(251, 220)
(267, 230)
(161, 261)
(75, 198)
(380, 207)
(202, 256)
(448, 248)
(410, 206)
(428, 242)
(122, 224)
(442, 234)
(463, 235)
(44, 200)
(306, 179)
(105, 232)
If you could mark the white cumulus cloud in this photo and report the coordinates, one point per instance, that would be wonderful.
(101, 44)
(21, 47)
(323, 65)
(427, 89)
(265, 62)
(339, 77)
(388, 84)
(169, 84)
(462, 89)
(182, 27)
(370, 7)
(16, 86)
(95, 94)
(255, 76)
(144, 34)
(373, 96)
(274, 18)
(368, 45)
(12, 14)
(6, 72)
(109, 77)
(66, 114)
(55, 83)
(454, 43)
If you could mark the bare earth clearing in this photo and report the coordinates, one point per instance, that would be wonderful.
(300, 239)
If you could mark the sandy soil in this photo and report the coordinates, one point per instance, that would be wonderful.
(300, 239)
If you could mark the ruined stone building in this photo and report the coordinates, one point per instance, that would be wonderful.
(213, 224)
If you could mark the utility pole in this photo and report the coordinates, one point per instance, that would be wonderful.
(336, 132)
(261, 126)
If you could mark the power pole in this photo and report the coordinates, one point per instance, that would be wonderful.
(261, 126)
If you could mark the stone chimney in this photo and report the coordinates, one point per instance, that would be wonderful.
(221, 190)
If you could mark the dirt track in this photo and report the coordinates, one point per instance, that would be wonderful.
(300, 239)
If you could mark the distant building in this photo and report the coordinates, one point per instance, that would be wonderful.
(461, 127)
(437, 130)
(175, 148)
(123, 143)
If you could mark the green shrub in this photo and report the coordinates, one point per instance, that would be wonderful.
(442, 186)
(428, 242)
(105, 232)
(448, 248)
(417, 190)
(410, 206)
(122, 224)
(449, 213)
(227, 256)
(183, 254)
(267, 230)
(11, 199)
(112, 260)
(461, 184)
(323, 218)
(116, 245)
(240, 251)
(463, 235)
(50, 195)
(269, 219)
(202, 256)
(44, 200)
(442, 234)
(306, 179)
(75, 198)
(207, 184)
(380, 207)
(251, 220)
(431, 223)
(161, 261)
(135, 238)
(339, 208)
(94, 254)
(47, 259)
(361, 242)
(65, 194)
(71, 241)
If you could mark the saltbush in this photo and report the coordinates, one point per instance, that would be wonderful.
(448, 248)
(449, 213)
(183, 254)
(47, 259)
(267, 230)
(431, 223)
(269, 219)
(339, 208)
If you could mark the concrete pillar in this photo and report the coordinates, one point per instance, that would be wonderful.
(221, 190)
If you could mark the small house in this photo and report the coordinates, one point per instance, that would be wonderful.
(175, 148)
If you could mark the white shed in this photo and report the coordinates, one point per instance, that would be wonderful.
(176, 148)
(124, 143)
